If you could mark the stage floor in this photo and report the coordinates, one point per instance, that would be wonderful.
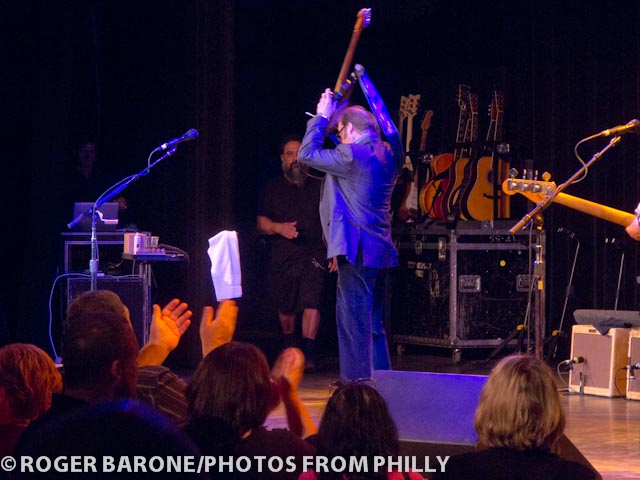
(605, 430)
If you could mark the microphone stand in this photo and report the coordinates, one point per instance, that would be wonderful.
(110, 193)
(559, 333)
(535, 213)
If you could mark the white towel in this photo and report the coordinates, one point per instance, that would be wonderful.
(225, 265)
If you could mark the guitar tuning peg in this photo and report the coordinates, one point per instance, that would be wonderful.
(512, 173)
(535, 176)
(546, 176)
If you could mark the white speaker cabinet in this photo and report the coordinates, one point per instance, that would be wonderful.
(605, 358)
(633, 382)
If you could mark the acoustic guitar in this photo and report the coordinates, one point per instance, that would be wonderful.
(481, 201)
(537, 191)
(460, 171)
(434, 203)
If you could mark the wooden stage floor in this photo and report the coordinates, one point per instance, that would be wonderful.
(605, 430)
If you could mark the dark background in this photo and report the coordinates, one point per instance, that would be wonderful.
(135, 74)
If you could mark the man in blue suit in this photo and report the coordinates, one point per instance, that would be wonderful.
(356, 222)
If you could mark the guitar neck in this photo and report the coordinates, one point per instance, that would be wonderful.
(362, 21)
(409, 133)
(595, 209)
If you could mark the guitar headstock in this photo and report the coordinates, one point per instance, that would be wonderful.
(402, 113)
(426, 121)
(534, 190)
(363, 19)
(463, 96)
(409, 106)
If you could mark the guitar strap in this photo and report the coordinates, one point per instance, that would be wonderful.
(381, 113)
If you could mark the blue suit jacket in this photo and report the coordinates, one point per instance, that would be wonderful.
(356, 194)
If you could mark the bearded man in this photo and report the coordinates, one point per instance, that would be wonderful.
(288, 212)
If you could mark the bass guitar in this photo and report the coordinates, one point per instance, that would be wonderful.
(537, 191)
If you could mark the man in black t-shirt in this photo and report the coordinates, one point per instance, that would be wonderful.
(288, 211)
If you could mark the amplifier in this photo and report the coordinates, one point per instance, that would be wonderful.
(605, 358)
(633, 376)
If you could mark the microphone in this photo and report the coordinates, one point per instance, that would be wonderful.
(573, 361)
(567, 231)
(187, 137)
(631, 127)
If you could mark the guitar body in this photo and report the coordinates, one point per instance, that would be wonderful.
(399, 197)
(458, 178)
(477, 201)
(432, 200)
(483, 199)
(455, 176)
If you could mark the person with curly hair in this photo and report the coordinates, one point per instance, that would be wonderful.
(28, 379)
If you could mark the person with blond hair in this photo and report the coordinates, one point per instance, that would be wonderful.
(518, 420)
(28, 379)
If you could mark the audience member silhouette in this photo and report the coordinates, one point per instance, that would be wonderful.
(357, 423)
(518, 420)
(230, 395)
(28, 378)
(139, 440)
(99, 351)
(158, 385)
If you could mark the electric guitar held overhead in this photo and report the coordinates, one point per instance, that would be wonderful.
(537, 191)
(343, 84)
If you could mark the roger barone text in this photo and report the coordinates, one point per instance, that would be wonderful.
(219, 464)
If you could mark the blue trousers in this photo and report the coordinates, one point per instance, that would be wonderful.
(359, 316)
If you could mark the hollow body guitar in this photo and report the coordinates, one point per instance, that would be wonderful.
(425, 159)
(483, 200)
(433, 200)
